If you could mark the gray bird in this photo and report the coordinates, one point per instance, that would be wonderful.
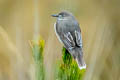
(69, 34)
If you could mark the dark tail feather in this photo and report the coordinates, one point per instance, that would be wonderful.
(79, 58)
(80, 61)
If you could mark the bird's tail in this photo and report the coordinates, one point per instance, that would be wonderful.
(78, 56)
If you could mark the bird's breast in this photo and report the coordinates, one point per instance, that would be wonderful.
(56, 32)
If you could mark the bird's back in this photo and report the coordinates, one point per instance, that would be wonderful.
(63, 27)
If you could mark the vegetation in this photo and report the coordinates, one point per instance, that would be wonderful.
(37, 49)
(66, 70)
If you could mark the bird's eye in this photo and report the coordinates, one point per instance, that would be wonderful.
(60, 15)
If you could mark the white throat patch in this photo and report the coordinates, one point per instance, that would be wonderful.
(62, 19)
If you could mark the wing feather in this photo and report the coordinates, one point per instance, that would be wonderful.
(78, 37)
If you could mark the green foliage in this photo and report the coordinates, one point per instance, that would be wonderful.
(67, 58)
(69, 70)
(37, 49)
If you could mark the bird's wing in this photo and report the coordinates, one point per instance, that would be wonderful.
(78, 37)
(64, 37)
(68, 41)
(70, 37)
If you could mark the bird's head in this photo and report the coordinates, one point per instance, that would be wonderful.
(64, 15)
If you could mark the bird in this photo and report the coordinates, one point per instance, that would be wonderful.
(69, 34)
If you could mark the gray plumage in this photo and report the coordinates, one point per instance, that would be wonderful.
(68, 31)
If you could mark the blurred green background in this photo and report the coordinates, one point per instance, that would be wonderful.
(24, 20)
